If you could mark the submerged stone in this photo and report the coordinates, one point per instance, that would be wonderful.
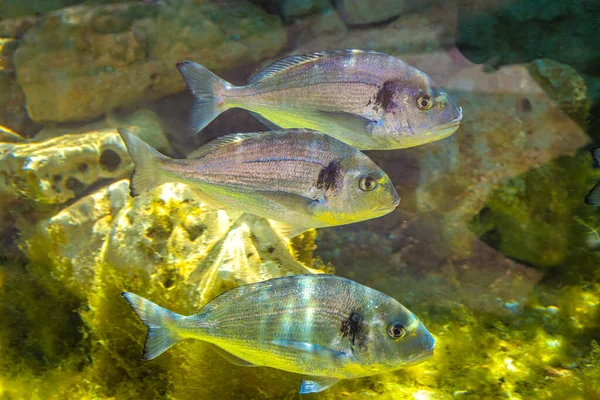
(80, 62)
(564, 85)
(540, 217)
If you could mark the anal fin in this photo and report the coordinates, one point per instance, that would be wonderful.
(206, 199)
(316, 384)
(230, 357)
(288, 231)
(272, 126)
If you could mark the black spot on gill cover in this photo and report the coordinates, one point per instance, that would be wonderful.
(353, 328)
(385, 97)
(328, 175)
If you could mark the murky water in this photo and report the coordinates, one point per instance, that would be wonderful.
(493, 246)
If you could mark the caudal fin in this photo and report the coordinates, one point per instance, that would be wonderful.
(161, 323)
(205, 86)
(147, 173)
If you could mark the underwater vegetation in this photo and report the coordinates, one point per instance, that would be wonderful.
(492, 247)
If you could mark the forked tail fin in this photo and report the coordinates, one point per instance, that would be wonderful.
(205, 86)
(148, 172)
(162, 325)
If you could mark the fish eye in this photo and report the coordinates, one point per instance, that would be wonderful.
(367, 183)
(396, 331)
(424, 102)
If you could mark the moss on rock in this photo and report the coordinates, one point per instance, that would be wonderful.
(540, 217)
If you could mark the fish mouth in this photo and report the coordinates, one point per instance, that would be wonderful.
(448, 128)
(389, 207)
(419, 358)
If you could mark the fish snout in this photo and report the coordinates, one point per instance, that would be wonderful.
(391, 206)
(426, 345)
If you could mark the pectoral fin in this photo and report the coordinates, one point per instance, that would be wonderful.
(315, 349)
(230, 357)
(351, 122)
(315, 384)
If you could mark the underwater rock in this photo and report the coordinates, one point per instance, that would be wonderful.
(143, 123)
(540, 218)
(507, 32)
(99, 57)
(61, 169)
(564, 85)
(317, 26)
(168, 237)
(362, 12)
(11, 9)
(13, 113)
(503, 136)
(293, 9)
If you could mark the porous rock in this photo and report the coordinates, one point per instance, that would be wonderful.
(57, 170)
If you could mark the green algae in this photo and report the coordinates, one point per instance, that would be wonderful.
(56, 345)
(540, 218)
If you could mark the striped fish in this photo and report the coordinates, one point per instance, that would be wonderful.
(325, 327)
(369, 100)
(301, 179)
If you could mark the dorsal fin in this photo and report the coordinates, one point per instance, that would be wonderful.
(299, 59)
(222, 142)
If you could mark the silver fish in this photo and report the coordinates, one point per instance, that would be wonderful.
(325, 327)
(369, 100)
(303, 179)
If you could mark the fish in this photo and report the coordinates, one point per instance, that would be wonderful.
(300, 179)
(367, 99)
(325, 327)
(593, 197)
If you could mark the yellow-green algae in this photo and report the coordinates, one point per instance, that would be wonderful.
(56, 346)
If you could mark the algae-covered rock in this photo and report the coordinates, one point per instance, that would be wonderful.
(84, 249)
(80, 62)
(540, 217)
(564, 85)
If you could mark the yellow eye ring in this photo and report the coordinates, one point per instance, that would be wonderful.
(424, 102)
(367, 183)
(396, 331)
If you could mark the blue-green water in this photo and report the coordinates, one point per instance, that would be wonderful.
(492, 246)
